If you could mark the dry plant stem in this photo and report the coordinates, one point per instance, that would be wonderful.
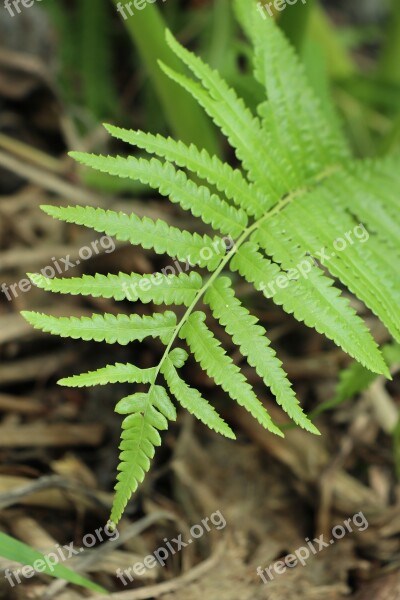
(50, 181)
(31, 154)
(51, 435)
(40, 492)
(27, 369)
(21, 405)
(383, 405)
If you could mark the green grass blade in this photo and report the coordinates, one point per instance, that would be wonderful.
(295, 20)
(186, 119)
(17, 551)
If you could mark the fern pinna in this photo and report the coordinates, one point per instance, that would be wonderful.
(297, 191)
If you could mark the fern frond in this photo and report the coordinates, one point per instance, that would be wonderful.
(157, 288)
(230, 181)
(138, 402)
(220, 367)
(175, 184)
(118, 373)
(155, 235)
(251, 338)
(178, 357)
(163, 403)
(121, 329)
(297, 196)
(192, 401)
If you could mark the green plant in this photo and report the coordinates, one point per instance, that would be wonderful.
(17, 551)
(298, 191)
(85, 51)
(183, 115)
(356, 378)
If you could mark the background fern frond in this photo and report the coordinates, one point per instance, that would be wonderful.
(355, 378)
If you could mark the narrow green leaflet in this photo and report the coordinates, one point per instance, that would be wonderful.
(109, 328)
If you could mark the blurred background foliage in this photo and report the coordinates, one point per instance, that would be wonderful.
(349, 48)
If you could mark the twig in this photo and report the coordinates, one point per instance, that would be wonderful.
(51, 182)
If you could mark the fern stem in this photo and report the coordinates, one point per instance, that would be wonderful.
(248, 231)
(224, 261)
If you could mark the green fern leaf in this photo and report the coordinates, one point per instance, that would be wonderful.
(227, 180)
(157, 288)
(295, 195)
(235, 120)
(309, 222)
(140, 436)
(306, 144)
(220, 367)
(311, 297)
(254, 344)
(118, 373)
(121, 329)
(178, 357)
(157, 235)
(192, 401)
(170, 182)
